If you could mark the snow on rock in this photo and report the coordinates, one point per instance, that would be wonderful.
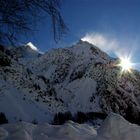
(114, 128)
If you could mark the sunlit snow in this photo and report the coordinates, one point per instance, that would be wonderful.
(32, 46)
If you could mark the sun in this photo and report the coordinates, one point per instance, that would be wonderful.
(125, 64)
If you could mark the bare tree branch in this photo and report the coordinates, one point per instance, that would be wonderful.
(18, 17)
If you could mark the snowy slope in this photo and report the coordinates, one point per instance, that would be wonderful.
(19, 106)
(77, 78)
(114, 128)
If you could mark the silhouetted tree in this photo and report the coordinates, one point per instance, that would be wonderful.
(3, 118)
(131, 115)
(18, 17)
(80, 117)
(61, 118)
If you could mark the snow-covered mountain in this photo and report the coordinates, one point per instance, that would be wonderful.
(80, 78)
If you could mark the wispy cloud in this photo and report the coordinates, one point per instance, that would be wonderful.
(105, 43)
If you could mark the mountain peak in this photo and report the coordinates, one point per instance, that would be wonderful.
(83, 42)
(31, 46)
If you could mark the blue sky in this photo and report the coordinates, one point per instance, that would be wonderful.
(116, 21)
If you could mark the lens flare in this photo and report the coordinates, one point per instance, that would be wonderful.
(125, 64)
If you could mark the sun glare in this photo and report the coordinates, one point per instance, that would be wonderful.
(125, 64)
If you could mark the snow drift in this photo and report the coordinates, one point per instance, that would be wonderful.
(114, 128)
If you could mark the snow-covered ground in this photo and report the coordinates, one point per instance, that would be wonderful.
(114, 128)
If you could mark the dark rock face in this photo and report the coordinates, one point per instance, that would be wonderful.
(4, 59)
